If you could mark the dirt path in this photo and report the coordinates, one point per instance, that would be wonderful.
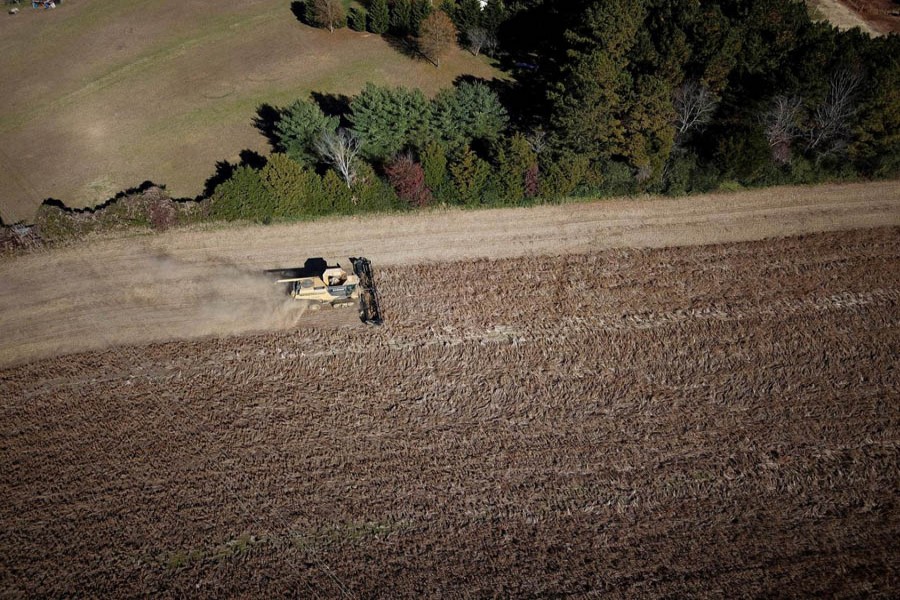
(843, 17)
(188, 284)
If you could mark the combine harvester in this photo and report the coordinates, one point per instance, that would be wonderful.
(319, 284)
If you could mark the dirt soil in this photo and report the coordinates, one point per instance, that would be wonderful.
(881, 15)
(188, 284)
(712, 421)
(842, 16)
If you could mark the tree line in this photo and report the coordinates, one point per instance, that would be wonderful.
(608, 97)
(604, 97)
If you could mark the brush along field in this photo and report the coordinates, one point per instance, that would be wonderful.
(100, 96)
(188, 284)
(715, 421)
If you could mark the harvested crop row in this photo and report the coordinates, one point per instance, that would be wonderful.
(708, 421)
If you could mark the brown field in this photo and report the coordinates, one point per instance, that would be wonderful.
(710, 421)
(189, 284)
(100, 96)
(882, 15)
(840, 15)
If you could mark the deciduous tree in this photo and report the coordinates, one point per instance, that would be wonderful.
(695, 106)
(437, 36)
(329, 13)
(782, 125)
(833, 119)
(340, 149)
(408, 179)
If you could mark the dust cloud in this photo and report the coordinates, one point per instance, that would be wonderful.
(144, 297)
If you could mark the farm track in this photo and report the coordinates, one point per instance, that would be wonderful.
(703, 421)
(193, 284)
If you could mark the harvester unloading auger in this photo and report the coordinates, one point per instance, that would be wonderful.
(319, 284)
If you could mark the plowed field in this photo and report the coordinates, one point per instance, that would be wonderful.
(715, 421)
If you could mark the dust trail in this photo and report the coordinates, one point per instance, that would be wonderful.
(152, 297)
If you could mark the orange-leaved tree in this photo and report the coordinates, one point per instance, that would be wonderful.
(437, 36)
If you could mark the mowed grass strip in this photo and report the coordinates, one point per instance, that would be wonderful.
(98, 97)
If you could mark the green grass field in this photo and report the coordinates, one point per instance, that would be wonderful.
(98, 97)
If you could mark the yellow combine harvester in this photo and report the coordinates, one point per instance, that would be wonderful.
(344, 283)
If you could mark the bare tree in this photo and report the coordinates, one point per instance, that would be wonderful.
(479, 38)
(328, 13)
(695, 106)
(340, 148)
(537, 139)
(831, 122)
(781, 124)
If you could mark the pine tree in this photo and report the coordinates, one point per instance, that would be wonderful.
(514, 162)
(493, 15)
(470, 176)
(356, 18)
(243, 196)
(591, 94)
(402, 17)
(339, 198)
(470, 111)
(379, 17)
(387, 120)
(466, 14)
(296, 190)
(300, 127)
(434, 163)
(421, 9)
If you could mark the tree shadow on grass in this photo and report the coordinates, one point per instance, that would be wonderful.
(225, 169)
(405, 46)
(266, 121)
(334, 105)
(301, 11)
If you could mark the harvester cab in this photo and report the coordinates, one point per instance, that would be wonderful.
(344, 283)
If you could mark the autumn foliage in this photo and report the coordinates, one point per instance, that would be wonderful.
(408, 179)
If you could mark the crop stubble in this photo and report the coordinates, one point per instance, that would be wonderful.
(720, 420)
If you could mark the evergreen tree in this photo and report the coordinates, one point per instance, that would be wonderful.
(356, 18)
(379, 16)
(389, 119)
(876, 145)
(421, 9)
(470, 176)
(372, 193)
(301, 125)
(297, 191)
(243, 196)
(471, 111)
(515, 161)
(434, 163)
(603, 105)
(466, 15)
(338, 197)
(493, 15)
(402, 17)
